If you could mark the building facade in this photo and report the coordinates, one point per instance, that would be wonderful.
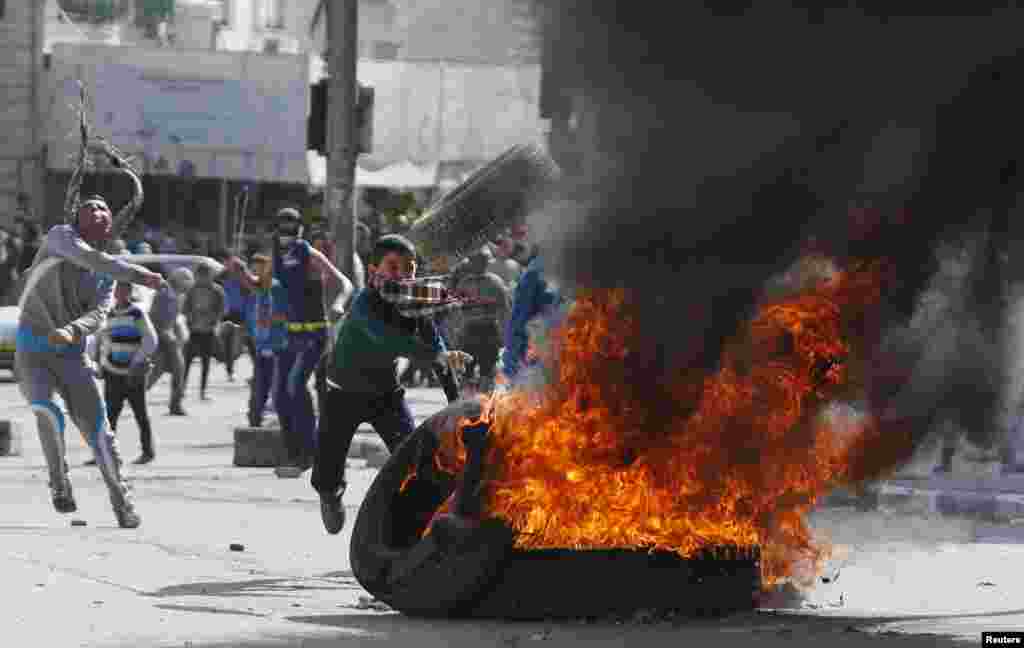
(21, 50)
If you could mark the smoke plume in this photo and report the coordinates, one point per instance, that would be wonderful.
(720, 142)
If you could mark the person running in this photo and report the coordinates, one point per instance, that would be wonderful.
(391, 318)
(126, 344)
(266, 317)
(66, 299)
(204, 307)
(301, 269)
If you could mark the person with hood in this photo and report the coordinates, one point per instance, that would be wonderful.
(66, 298)
(204, 308)
(536, 297)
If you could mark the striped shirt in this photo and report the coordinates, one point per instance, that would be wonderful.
(127, 340)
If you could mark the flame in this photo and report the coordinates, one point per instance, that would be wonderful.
(610, 455)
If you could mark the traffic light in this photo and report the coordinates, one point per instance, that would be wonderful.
(316, 126)
(316, 123)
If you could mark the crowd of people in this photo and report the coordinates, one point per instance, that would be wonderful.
(292, 310)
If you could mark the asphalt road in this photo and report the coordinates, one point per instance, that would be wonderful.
(896, 579)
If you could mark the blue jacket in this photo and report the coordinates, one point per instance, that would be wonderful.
(233, 294)
(260, 309)
(534, 296)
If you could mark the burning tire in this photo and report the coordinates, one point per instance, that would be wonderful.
(564, 583)
(420, 576)
(477, 573)
(492, 198)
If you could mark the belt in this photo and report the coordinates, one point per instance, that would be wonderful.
(298, 327)
(26, 340)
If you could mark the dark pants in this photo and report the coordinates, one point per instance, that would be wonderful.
(343, 412)
(117, 389)
(262, 384)
(200, 343)
(292, 397)
(231, 333)
(483, 343)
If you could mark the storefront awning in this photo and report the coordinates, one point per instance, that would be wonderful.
(400, 175)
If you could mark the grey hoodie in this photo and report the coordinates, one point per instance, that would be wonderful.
(70, 285)
(205, 304)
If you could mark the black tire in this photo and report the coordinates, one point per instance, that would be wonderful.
(494, 197)
(484, 577)
(420, 577)
(604, 583)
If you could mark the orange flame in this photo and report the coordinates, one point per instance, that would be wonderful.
(606, 457)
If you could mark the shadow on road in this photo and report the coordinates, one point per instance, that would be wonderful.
(256, 587)
(766, 630)
(206, 610)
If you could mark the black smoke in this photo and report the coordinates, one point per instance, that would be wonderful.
(720, 139)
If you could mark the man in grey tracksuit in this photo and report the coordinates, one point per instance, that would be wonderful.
(66, 298)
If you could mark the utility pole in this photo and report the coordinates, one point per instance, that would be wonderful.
(342, 53)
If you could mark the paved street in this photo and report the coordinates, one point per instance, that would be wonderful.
(903, 580)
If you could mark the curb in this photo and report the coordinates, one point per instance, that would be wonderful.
(984, 504)
(261, 447)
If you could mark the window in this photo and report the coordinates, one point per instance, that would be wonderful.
(273, 14)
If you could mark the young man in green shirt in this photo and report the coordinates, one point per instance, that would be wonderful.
(391, 318)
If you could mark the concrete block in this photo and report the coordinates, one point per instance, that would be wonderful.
(10, 439)
(258, 447)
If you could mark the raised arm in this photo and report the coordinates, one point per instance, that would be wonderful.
(330, 272)
(237, 268)
(64, 241)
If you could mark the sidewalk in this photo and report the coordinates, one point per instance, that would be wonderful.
(993, 499)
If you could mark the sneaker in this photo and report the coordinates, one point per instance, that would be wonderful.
(203, 397)
(63, 500)
(126, 516)
(178, 411)
(144, 458)
(332, 511)
(89, 462)
(231, 378)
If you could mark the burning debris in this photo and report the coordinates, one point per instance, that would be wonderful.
(748, 333)
(604, 459)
